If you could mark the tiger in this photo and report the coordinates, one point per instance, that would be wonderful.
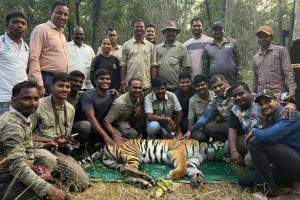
(185, 155)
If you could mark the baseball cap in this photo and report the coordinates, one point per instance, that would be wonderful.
(218, 24)
(264, 94)
(265, 29)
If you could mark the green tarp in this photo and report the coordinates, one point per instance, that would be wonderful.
(213, 171)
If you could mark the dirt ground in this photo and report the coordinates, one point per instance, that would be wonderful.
(211, 191)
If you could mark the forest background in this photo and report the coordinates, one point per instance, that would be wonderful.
(241, 18)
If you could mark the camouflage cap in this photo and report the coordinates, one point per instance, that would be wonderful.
(264, 94)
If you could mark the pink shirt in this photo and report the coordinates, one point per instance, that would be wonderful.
(48, 51)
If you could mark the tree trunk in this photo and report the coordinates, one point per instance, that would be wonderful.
(77, 12)
(96, 13)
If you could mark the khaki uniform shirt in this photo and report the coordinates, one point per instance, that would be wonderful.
(171, 59)
(198, 106)
(16, 152)
(121, 109)
(139, 57)
(43, 120)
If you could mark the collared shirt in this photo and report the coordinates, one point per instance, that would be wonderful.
(48, 51)
(198, 106)
(44, 123)
(164, 107)
(171, 59)
(223, 60)
(115, 51)
(121, 109)
(16, 152)
(272, 70)
(80, 58)
(13, 65)
(139, 57)
(195, 48)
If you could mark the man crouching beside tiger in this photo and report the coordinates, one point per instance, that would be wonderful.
(163, 112)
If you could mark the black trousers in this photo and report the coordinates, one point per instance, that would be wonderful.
(274, 164)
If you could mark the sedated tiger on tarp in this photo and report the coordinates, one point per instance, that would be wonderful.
(185, 155)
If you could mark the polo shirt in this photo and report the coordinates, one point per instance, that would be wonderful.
(13, 65)
(195, 48)
(223, 60)
(171, 60)
(80, 58)
(138, 58)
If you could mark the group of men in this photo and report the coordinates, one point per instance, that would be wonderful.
(166, 90)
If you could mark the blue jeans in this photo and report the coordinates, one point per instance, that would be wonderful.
(47, 79)
(4, 107)
(154, 130)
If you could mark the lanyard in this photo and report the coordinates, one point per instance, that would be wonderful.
(56, 116)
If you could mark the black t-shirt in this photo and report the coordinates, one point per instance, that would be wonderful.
(91, 100)
(234, 122)
(110, 63)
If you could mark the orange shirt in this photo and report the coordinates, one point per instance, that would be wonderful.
(48, 51)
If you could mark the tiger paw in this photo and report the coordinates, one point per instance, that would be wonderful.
(138, 182)
(197, 180)
(175, 174)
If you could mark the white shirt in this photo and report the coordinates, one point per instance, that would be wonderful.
(80, 58)
(13, 65)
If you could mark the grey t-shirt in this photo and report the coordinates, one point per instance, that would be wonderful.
(101, 104)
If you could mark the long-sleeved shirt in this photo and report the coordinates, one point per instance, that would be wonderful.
(48, 51)
(272, 70)
(283, 131)
(16, 152)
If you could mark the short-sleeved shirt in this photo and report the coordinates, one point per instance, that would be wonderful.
(13, 65)
(247, 118)
(139, 57)
(198, 106)
(171, 60)
(100, 104)
(195, 48)
(184, 101)
(80, 58)
(223, 60)
(110, 63)
(272, 70)
(221, 106)
(44, 123)
(121, 109)
(164, 107)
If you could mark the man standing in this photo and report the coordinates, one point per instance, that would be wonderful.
(116, 50)
(53, 121)
(222, 56)
(272, 67)
(16, 149)
(172, 57)
(163, 112)
(196, 44)
(138, 58)
(14, 54)
(124, 119)
(80, 56)
(150, 33)
(48, 48)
